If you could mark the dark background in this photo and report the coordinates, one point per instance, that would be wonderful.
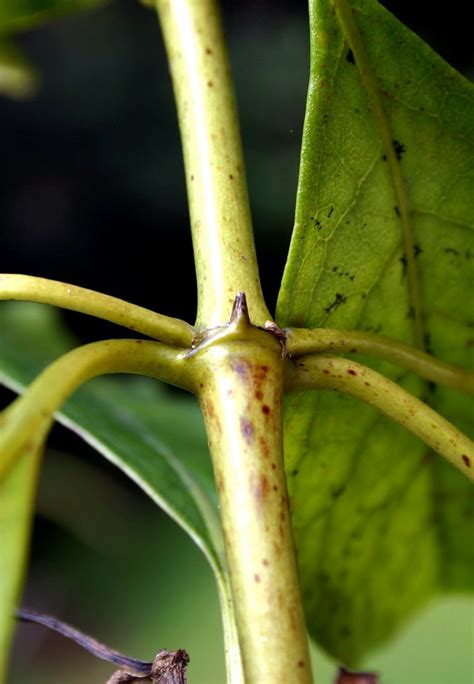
(95, 189)
(93, 194)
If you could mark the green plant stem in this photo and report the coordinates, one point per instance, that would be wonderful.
(32, 289)
(32, 413)
(239, 383)
(220, 217)
(324, 340)
(327, 372)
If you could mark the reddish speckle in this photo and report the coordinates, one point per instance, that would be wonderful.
(231, 177)
(325, 371)
(265, 562)
(275, 488)
(265, 409)
(258, 395)
(263, 446)
(209, 408)
(208, 51)
(261, 491)
(138, 341)
(210, 84)
(300, 663)
(467, 460)
(273, 466)
(351, 371)
(219, 480)
(256, 578)
(367, 384)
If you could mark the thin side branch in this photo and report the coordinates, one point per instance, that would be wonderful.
(326, 372)
(32, 413)
(29, 288)
(323, 340)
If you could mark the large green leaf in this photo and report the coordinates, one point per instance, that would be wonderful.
(380, 524)
(158, 440)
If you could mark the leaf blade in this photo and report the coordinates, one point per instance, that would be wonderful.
(357, 483)
(134, 423)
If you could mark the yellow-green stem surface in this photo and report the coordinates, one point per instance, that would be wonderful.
(218, 204)
(326, 372)
(240, 392)
(324, 340)
(32, 413)
(29, 288)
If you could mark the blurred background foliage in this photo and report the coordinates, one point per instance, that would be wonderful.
(93, 193)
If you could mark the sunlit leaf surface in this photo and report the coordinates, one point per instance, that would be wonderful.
(383, 242)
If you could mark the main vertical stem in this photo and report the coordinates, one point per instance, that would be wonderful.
(240, 391)
(240, 367)
(218, 203)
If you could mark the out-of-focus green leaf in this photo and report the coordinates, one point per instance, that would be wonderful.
(17, 493)
(18, 78)
(380, 524)
(23, 14)
(157, 439)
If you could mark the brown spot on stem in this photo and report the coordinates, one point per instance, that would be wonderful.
(263, 446)
(265, 562)
(261, 489)
(209, 408)
(351, 371)
(300, 663)
(256, 578)
(265, 409)
(467, 460)
(258, 395)
(219, 480)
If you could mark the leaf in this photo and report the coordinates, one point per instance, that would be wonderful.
(17, 498)
(157, 439)
(18, 78)
(382, 242)
(24, 14)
